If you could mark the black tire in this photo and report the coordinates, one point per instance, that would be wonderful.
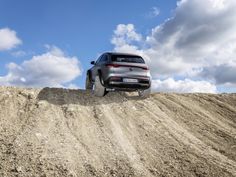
(88, 84)
(144, 93)
(99, 89)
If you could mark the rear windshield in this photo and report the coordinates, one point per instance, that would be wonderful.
(127, 58)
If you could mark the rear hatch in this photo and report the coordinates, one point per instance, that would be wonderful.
(129, 69)
(129, 66)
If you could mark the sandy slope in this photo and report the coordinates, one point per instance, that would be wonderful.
(56, 132)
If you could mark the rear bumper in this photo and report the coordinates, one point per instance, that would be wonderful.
(118, 84)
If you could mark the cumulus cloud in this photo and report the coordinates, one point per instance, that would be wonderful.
(124, 35)
(183, 86)
(195, 43)
(198, 30)
(155, 11)
(52, 69)
(193, 37)
(124, 38)
(8, 39)
(221, 74)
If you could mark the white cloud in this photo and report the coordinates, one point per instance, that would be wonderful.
(192, 38)
(8, 39)
(73, 86)
(197, 39)
(19, 53)
(183, 86)
(155, 11)
(124, 35)
(52, 69)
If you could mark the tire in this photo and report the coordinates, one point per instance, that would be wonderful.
(88, 84)
(144, 93)
(99, 89)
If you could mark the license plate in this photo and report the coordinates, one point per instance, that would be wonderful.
(130, 80)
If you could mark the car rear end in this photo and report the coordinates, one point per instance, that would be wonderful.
(127, 72)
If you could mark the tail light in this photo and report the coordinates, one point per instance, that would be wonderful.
(145, 68)
(115, 78)
(118, 65)
(113, 65)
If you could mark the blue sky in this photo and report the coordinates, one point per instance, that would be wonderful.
(85, 29)
(80, 28)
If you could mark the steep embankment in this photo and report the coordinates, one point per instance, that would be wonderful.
(58, 132)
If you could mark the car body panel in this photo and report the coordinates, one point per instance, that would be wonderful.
(113, 73)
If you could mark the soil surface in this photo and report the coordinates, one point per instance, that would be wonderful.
(61, 132)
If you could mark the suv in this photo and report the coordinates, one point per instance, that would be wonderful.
(119, 71)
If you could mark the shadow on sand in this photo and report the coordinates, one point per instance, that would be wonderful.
(60, 96)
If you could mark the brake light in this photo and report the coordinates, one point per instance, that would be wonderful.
(118, 65)
(145, 68)
(115, 78)
(113, 65)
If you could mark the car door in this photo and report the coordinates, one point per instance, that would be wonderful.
(102, 65)
(96, 67)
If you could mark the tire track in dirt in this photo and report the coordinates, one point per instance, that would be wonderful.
(60, 132)
(189, 139)
(125, 144)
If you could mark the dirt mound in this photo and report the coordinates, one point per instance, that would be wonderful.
(59, 132)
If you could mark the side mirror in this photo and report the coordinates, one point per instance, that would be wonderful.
(92, 62)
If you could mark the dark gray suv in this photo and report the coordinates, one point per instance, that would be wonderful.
(119, 71)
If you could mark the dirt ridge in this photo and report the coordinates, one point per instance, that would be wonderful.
(63, 132)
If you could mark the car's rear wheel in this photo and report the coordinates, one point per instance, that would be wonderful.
(144, 93)
(99, 89)
(89, 84)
